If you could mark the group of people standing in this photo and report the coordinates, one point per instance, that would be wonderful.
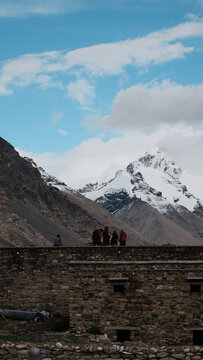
(102, 237)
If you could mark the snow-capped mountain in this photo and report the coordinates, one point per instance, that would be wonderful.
(153, 178)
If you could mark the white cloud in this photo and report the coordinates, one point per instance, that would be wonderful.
(95, 157)
(56, 117)
(4, 90)
(186, 147)
(147, 106)
(155, 48)
(98, 60)
(81, 91)
(63, 132)
(30, 68)
(45, 82)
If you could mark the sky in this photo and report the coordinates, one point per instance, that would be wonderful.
(88, 86)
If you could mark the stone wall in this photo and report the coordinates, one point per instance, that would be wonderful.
(31, 279)
(10, 351)
(156, 305)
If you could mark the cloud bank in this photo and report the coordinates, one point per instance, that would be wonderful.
(148, 106)
(96, 158)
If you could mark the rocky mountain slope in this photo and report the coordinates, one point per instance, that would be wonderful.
(152, 186)
(33, 210)
(158, 227)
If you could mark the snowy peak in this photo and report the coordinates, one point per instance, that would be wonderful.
(152, 178)
(159, 161)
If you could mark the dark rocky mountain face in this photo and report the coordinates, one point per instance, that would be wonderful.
(199, 210)
(32, 213)
(36, 211)
(113, 202)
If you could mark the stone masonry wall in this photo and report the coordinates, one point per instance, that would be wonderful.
(30, 280)
(156, 305)
(10, 351)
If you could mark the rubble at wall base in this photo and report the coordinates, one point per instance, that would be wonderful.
(56, 351)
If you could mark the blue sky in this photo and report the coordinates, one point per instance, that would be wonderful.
(88, 85)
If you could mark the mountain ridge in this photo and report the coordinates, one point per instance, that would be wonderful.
(33, 210)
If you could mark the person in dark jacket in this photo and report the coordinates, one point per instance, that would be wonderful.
(122, 239)
(57, 241)
(106, 236)
(96, 237)
(114, 238)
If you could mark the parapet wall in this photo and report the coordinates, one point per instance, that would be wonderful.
(156, 304)
(23, 255)
(40, 256)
